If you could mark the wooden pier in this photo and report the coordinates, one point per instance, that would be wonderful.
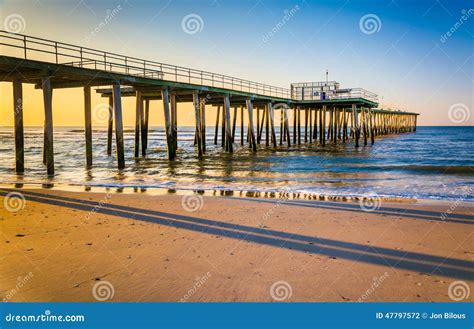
(349, 117)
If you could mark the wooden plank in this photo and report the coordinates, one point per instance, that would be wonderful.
(88, 125)
(110, 126)
(48, 124)
(19, 131)
(117, 99)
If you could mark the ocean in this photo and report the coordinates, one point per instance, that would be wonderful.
(431, 163)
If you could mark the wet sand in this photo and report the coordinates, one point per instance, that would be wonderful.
(86, 246)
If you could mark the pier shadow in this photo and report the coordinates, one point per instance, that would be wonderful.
(413, 261)
(387, 211)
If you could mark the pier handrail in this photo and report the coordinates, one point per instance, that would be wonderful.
(72, 55)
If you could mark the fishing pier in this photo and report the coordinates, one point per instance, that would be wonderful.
(312, 113)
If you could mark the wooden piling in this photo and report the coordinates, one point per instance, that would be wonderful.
(202, 111)
(88, 125)
(287, 126)
(253, 144)
(234, 122)
(298, 110)
(144, 126)
(110, 123)
(217, 124)
(174, 119)
(271, 117)
(138, 118)
(241, 125)
(48, 115)
(306, 125)
(356, 127)
(19, 131)
(169, 133)
(197, 117)
(228, 128)
(117, 99)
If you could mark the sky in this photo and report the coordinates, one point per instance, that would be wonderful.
(399, 49)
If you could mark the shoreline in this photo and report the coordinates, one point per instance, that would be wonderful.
(227, 192)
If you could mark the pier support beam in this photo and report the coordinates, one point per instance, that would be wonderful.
(228, 128)
(323, 126)
(355, 127)
(117, 99)
(144, 126)
(138, 120)
(217, 124)
(197, 117)
(286, 125)
(110, 126)
(202, 110)
(88, 125)
(174, 120)
(271, 117)
(19, 134)
(241, 125)
(169, 132)
(48, 125)
(251, 133)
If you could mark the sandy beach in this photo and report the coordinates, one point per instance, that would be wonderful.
(59, 245)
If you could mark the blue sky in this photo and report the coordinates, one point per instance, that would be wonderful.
(404, 60)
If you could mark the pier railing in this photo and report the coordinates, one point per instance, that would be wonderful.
(67, 54)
